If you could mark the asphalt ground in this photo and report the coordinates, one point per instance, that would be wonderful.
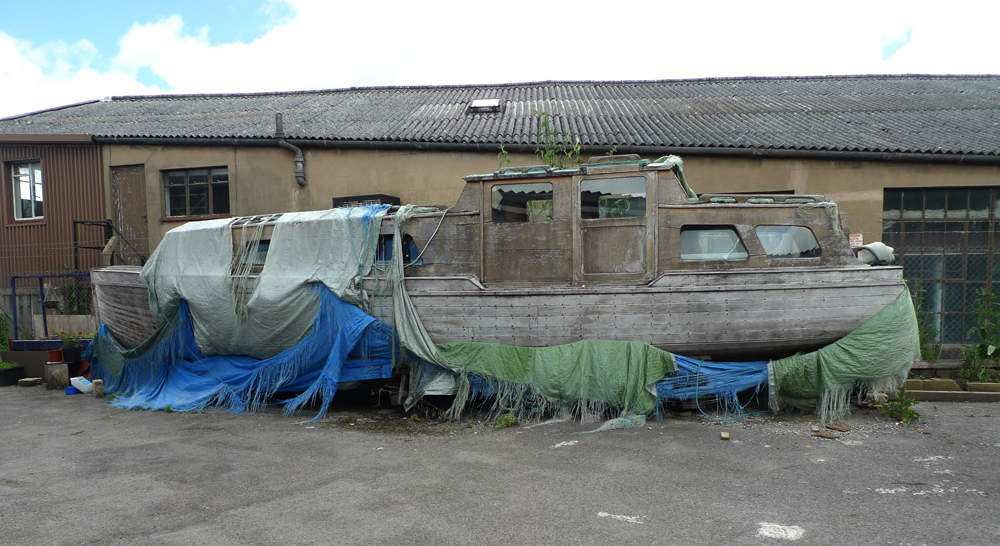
(74, 470)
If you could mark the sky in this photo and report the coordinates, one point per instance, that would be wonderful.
(54, 52)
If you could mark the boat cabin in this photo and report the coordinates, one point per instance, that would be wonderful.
(617, 219)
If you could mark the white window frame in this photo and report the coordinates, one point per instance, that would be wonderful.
(33, 181)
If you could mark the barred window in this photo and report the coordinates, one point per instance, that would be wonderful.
(945, 239)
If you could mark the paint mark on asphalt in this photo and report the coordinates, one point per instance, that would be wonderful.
(564, 444)
(628, 519)
(774, 530)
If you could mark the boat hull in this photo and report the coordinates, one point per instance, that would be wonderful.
(733, 315)
(741, 315)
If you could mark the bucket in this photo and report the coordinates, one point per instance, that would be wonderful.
(55, 355)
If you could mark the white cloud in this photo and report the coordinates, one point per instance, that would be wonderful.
(323, 45)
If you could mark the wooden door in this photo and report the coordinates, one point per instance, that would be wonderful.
(128, 201)
(614, 219)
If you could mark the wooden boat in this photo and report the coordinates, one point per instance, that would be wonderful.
(617, 249)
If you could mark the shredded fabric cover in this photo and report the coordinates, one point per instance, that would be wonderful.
(229, 339)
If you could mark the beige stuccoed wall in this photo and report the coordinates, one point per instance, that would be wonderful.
(262, 179)
(856, 186)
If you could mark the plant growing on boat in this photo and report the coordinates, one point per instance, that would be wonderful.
(898, 408)
(557, 153)
(930, 348)
(503, 157)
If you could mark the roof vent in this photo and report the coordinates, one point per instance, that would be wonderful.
(484, 105)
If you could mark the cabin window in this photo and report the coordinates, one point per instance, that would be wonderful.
(788, 242)
(711, 243)
(254, 255)
(613, 197)
(410, 250)
(522, 202)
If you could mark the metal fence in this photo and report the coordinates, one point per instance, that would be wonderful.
(948, 263)
(40, 306)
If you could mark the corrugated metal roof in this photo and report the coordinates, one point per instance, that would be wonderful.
(915, 114)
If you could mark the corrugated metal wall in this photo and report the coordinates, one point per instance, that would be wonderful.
(72, 190)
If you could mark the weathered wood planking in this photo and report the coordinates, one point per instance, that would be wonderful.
(774, 318)
(121, 301)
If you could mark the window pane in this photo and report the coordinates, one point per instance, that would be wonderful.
(890, 233)
(892, 201)
(954, 297)
(934, 206)
(220, 175)
(198, 199)
(220, 198)
(521, 202)
(913, 237)
(958, 203)
(711, 243)
(952, 329)
(27, 190)
(978, 268)
(953, 266)
(788, 242)
(174, 179)
(176, 204)
(934, 235)
(913, 204)
(955, 236)
(198, 177)
(613, 197)
(933, 264)
(979, 234)
(979, 203)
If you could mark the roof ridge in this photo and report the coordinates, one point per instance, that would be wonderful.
(543, 83)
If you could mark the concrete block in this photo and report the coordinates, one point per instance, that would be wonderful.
(940, 385)
(955, 396)
(914, 384)
(984, 387)
(29, 381)
(56, 375)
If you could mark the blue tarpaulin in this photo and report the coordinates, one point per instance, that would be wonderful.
(345, 344)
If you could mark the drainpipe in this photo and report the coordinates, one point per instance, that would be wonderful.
(300, 160)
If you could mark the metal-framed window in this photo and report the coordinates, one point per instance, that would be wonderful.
(28, 195)
(196, 192)
(946, 240)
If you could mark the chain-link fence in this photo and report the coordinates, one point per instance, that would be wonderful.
(949, 261)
